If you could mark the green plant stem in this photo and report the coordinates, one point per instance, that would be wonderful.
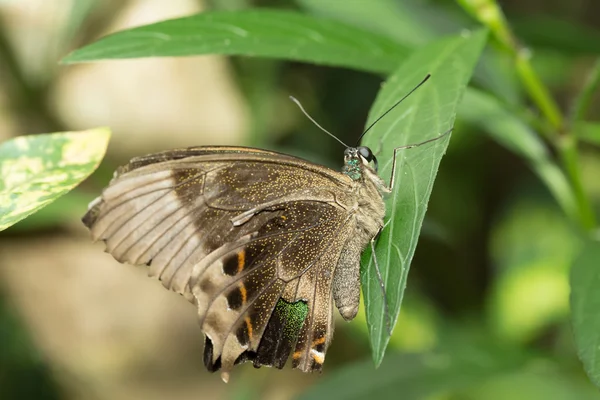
(538, 93)
(569, 155)
(568, 145)
(560, 136)
(582, 103)
(490, 14)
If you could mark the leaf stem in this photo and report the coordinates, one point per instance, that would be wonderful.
(490, 14)
(568, 146)
(538, 93)
(560, 136)
(568, 153)
(582, 102)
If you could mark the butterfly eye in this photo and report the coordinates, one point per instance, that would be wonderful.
(368, 155)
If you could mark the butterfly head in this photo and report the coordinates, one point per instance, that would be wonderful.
(355, 158)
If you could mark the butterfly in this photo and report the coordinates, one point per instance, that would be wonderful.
(263, 243)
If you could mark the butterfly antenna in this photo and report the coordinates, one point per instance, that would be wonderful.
(392, 107)
(315, 122)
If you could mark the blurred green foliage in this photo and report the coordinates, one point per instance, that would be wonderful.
(512, 214)
(23, 372)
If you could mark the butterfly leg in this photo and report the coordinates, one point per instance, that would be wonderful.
(381, 285)
(410, 146)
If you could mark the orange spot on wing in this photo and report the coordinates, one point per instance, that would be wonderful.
(249, 327)
(241, 261)
(319, 341)
(297, 355)
(244, 293)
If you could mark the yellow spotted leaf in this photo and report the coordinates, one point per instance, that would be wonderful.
(38, 169)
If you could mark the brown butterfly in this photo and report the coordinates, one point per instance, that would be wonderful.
(261, 242)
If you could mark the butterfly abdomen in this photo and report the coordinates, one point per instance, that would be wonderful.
(368, 211)
(346, 279)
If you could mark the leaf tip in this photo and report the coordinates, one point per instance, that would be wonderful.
(69, 59)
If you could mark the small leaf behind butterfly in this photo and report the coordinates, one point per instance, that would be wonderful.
(427, 113)
(38, 169)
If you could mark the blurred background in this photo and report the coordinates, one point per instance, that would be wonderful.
(491, 267)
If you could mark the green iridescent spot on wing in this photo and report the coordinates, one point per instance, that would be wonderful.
(294, 314)
(281, 333)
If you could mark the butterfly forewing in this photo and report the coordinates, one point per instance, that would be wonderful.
(252, 237)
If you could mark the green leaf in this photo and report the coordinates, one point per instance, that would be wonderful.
(427, 113)
(485, 111)
(416, 376)
(585, 308)
(262, 33)
(37, 169)
(588, 132)
(66, 210)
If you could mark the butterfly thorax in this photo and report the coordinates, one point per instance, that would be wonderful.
(371, 207)
(369, 188)
(353, 167)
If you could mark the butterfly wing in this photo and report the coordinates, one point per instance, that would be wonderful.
(251, 237)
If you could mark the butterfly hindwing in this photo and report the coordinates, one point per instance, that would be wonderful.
(242, 233)
(297, 247)
(316, 286)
